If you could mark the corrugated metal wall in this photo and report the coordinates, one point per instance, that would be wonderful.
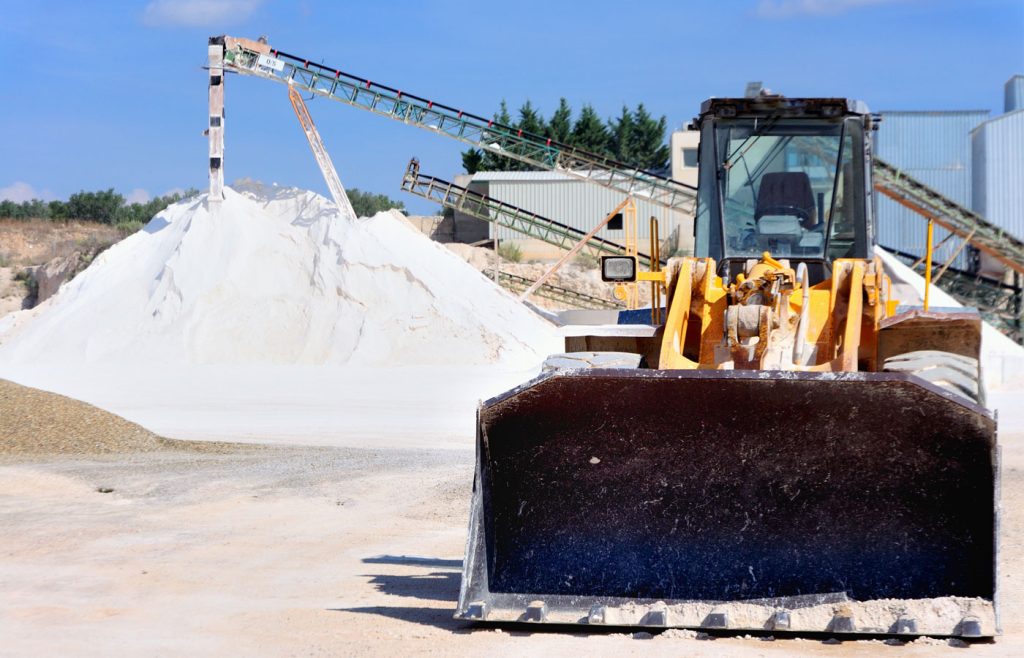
(1013, 92)
(579, 204)
(935, 148)
(998, 171)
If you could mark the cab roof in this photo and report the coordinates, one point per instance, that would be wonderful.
(770, 105)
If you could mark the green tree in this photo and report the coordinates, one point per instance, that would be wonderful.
(560, 125)
(620, 137)
(492, 161)
(648, 148)
(58, 210)
(9, 210)
(634, 138)
(589, 132)
(368, 204)
(530, 121)
(472, 160)
(95, 206)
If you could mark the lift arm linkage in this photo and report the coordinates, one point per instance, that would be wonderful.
(258, 59)
(483, 207)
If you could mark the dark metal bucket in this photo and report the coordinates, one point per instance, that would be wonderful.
(655, 498)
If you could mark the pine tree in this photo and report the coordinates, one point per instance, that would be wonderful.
(648, 148)
(560, 125)
(530, 121)
(589, 132)
(472, 160)
(621, 140)
(492, 161)
(635, 138)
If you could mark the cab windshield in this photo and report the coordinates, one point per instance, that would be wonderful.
(785, 187)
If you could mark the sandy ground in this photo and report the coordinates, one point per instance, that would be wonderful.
(309, 551)
(402, 407)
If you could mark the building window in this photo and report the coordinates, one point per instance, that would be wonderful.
(615, 223)
(215, 122)
(689, 157)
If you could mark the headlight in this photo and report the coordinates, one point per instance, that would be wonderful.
(618, 268)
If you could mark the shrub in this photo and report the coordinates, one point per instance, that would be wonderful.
(27, 276)
(368, 204)
(129, 226)
(510, 251)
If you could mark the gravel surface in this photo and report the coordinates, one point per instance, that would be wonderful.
(117, 541)
(35, 422)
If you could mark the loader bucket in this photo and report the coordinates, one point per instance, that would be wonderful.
(812, 502)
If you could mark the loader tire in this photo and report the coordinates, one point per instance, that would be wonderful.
(954, 373)
(592, 360)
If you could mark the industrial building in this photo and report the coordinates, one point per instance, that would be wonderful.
(933, 147)
(997, 174)
(967, 155)
(574, 202)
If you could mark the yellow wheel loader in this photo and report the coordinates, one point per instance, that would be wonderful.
(791, 450)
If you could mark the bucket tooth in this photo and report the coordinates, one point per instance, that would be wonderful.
(842, 622)
(656, 616)
(716, 620)
(905, 625)
(596, 615)
(780, 621)
(969, 627)
(477, 610)
(536, 611)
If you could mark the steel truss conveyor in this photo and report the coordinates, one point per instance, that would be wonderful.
(504, 214)
(948, 214)
(567, 296)
(259, 59)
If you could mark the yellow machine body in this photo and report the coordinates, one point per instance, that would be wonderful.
(790, 449)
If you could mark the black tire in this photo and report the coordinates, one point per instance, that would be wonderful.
(954, 373)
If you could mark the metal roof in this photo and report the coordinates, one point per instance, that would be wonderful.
(531, 176)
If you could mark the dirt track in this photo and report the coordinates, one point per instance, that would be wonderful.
(304, 551)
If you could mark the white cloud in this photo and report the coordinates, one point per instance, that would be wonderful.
(198, 13)
(138, 195)
(174, 190)
(19, 191)
(784, 8)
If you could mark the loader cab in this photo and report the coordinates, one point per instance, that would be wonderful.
(789, 176)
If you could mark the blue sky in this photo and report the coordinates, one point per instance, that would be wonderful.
(113, 94)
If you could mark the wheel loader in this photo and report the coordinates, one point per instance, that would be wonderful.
(791, 450)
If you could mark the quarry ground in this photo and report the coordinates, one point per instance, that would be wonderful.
(310, 551)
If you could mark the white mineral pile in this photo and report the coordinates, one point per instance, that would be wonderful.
(276, 276)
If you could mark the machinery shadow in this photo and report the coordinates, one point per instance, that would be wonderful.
(436, 581)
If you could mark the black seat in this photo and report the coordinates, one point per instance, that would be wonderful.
(787, 193)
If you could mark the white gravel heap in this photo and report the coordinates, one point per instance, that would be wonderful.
(277, 277)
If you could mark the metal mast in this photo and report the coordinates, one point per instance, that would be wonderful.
(323, 160)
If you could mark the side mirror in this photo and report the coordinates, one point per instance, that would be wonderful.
(618, 269)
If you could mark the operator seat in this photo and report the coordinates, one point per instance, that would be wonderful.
(787, 193)
(786, 215)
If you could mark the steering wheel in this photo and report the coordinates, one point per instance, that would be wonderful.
(803, 213)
